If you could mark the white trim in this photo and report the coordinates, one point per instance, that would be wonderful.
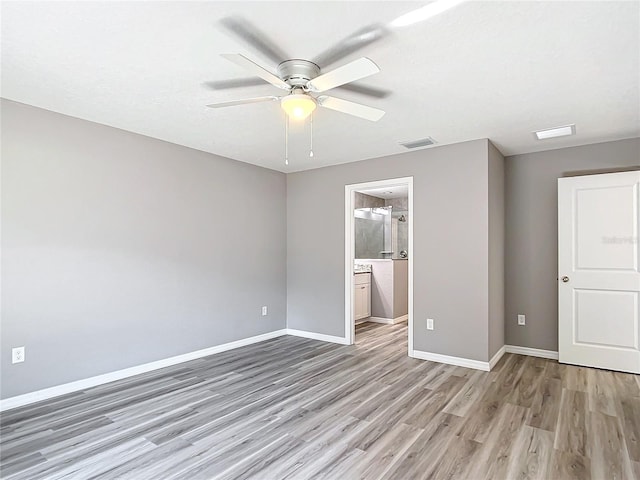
(410, 253)
(496, 358)
(349, 252)
(44, 394)
(388, 321)
(349, 255)
(458, 361)
(532, 352)
(317, 336)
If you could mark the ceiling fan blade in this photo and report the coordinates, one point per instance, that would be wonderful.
(256, 69)
(361, 68)
(352, 108)
(354, 42)
(365, 90)
(270, 98)
(249, 33)
(233, 83)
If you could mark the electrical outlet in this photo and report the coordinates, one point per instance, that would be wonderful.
(264, 311)
(17, 355)
(429, 323)
(521, 320)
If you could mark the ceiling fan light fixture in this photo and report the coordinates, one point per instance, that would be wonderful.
(298, 105)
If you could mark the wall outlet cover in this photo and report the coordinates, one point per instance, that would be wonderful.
(429, 323)
(521, 320)
(17, 355)
(264, 311)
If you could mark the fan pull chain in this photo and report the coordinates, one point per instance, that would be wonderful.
(286, 140)
(311, 149)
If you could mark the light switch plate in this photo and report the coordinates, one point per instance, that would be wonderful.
(429, 323)
(521, 320)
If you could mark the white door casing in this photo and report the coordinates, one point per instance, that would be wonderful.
(598, 271)
(350, 252)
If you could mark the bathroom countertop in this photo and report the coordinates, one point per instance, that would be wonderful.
(382, 259)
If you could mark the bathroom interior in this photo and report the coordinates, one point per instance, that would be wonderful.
(381, 256)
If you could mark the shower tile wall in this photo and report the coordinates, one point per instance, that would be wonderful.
(367, 201)
(400, 229)
(369, 233)
(369, 238)
(398, 204)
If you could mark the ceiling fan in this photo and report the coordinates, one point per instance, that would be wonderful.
(302, 79)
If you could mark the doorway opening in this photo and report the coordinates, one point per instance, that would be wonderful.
(379, 258)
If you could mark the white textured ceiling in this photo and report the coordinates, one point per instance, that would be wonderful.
(483, 69)
(395, 191)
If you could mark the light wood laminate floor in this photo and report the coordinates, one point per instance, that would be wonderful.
(299, 409)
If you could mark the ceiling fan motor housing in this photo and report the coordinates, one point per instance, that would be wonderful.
(298, 72)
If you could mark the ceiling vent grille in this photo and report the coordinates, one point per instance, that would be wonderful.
(424, 142)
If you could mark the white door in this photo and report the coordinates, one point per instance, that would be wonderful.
(598, 277)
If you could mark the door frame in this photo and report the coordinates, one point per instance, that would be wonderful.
(349, 252)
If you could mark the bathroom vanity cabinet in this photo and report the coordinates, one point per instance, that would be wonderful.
(362, 296)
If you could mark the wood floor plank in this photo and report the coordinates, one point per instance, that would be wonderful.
(432, 402)
(626, 384)
(569, 466)
(607, 450)
(422, 457)
(576, 378)
(546, 405)
(525, 389)
(531, 454)
(385, 452)
(469, 394)
(461, 453)
(630, 413)
(601, 392)
(494, 459)
(571, 433)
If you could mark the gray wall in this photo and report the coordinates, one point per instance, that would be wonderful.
(496, 250)
(118, 249)
(381, 288)
(362, 200)
(450, 235)
(400, 288)
(532, 232)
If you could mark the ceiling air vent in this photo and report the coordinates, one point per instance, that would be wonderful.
(424, 142)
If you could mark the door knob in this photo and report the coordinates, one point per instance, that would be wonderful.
(565, 279)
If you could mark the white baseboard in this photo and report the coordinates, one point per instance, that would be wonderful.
(32, 397)
(458, 361)
(317, 336)
(403, 318)
(532, 352)
(496, 358)
(388, 321)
